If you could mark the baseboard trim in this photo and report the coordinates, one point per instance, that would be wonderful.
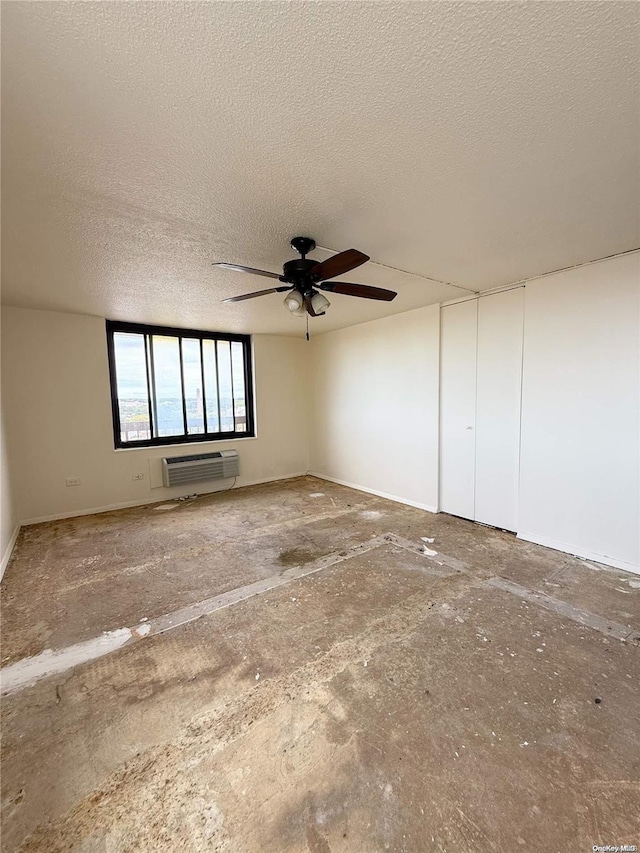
(96, 510)
(8, 551)
(580, 552)
(378, 494)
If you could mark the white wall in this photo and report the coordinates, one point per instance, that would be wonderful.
(8, 510)
(57, 402)
(580, 442)
(375, 406)
(9, 516)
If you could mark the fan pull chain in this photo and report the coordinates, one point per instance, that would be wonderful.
(307, 316)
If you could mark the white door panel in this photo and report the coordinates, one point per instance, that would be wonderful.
(498, 395)
(458, 408)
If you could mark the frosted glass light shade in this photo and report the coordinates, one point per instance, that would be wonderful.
(320, 303)
(294, 302)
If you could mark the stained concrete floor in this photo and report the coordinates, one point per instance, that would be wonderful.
(386, 700)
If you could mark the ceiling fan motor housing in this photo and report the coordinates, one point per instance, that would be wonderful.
(298, 272)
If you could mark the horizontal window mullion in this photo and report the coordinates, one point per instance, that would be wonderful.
(198, 438)
(173, 332)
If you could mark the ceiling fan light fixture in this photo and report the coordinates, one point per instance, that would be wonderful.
(294, 303)
(293, 300)
(320, 303)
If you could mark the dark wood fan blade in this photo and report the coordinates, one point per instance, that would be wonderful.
(362, 290)
(238, 268)
(338, 265)
(257, 293)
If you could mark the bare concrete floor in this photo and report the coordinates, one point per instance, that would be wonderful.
(386, 700)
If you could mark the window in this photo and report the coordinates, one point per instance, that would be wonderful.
(172, 386)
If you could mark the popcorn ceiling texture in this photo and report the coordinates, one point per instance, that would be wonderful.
(475, 144)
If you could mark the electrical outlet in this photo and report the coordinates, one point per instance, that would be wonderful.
(138, 476)
(72, 481)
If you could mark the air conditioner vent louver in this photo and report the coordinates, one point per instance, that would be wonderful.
(177, 470)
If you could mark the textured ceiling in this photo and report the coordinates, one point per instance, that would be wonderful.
(470, 143)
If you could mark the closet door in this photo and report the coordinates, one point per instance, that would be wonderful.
(458, 407)
(498, 397)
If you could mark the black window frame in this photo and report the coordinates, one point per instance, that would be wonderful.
(113, 326)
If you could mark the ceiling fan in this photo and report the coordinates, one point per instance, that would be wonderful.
(303, 278)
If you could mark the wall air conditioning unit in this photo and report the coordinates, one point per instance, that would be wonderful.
(177, 470)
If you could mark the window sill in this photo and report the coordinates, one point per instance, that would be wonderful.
(185, 445)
